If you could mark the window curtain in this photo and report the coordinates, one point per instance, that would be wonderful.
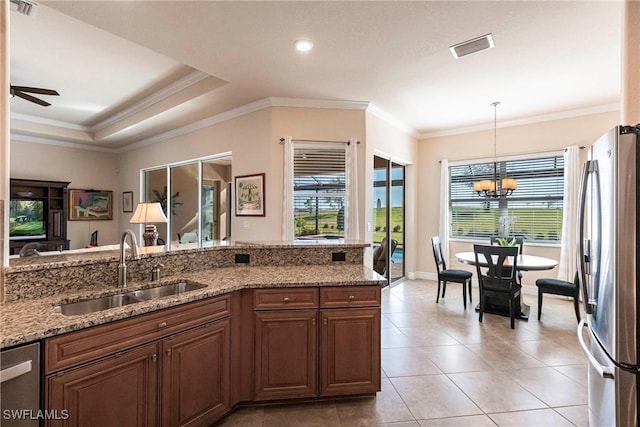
(352, 226)
(568, 254)
(287, 192)
(444, 208)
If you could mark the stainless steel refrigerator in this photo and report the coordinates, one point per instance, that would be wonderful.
(608, 271)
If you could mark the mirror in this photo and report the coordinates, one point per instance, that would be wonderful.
(196, 198)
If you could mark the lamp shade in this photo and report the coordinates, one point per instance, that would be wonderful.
(148, 213)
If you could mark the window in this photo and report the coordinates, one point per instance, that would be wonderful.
(319, 190)
(537, 202)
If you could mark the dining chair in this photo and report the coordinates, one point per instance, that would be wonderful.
(560, 287)
(380, 255)
(519, 242)
(493, 283)
(450, 275)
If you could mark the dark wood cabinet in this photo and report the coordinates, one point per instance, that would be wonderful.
(196, 375)
(56, 207)
(350, 351)
(160, 368)
(295, 356)
(285, 354)
(120, 390)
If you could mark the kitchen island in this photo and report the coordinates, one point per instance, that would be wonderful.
(250, 333)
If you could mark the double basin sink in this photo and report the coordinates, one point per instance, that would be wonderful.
(125, 298)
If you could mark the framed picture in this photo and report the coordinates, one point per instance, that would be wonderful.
(250, 195)
(90, 205)
(127, 201)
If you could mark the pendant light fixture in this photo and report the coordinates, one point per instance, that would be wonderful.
(495, 189)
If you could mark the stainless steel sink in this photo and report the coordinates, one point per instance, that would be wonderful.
(96, 304)
(166, 290)
(118, 300)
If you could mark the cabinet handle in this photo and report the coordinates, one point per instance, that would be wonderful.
(352, 297)
(154, 358)
(162, 324)
(313, 322)
(325, 321)
(169, 352)
(285, 299)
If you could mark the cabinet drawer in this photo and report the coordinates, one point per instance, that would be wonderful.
(283, 298)
(92, 343)
(350, 296)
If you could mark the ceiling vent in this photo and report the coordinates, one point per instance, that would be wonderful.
(472, 46)
(25, 7)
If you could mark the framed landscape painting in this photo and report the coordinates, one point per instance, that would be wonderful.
(250, 195)
(90, 205)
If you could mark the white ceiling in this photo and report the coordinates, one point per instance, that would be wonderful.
(131, 71)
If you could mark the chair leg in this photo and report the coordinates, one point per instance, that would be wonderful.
(481, 311)
(576, 305)
(470, 293)
(444, 287)
(539, 303)
(438, 294)
(512, 311)
(464, 295)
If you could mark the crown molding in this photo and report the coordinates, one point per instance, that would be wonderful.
(606, 108)
(218, 118)
(65, 144)
(43, 121)
(167, 91)
(318, 103)
(392, 120)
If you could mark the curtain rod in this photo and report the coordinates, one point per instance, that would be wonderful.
(316, 140)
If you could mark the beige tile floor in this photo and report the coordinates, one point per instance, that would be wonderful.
(441, 367)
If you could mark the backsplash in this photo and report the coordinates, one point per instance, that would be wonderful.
(40, 277)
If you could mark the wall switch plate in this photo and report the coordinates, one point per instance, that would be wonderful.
(245, 225)
(242, 258)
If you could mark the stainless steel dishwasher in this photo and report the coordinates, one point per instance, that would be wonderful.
(20, 386)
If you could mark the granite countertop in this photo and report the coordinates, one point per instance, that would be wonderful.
(29, 320)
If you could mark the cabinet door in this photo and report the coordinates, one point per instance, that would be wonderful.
(350, 351)
(118, 391)
(196, 375)
(285, 354)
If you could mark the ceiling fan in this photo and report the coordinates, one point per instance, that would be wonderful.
(19, 91)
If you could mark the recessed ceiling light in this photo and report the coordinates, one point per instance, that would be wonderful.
(472, 46)
(304, 45)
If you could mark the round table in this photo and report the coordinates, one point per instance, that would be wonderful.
(524, 263)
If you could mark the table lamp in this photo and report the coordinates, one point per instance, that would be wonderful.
(149, 213)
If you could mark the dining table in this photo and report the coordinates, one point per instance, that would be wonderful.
(523, 263)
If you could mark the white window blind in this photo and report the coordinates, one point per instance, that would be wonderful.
(537, 202)
(319, 190)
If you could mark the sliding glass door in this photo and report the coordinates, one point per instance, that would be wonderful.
(388, 218)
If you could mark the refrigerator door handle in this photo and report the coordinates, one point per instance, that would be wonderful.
(583, 257)
(603, 371)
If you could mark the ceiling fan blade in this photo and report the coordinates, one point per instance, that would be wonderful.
(37, 90)
(31, 98)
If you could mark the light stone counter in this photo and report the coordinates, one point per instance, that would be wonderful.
(27, 320)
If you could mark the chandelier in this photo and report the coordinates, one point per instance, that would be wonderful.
(494, 189)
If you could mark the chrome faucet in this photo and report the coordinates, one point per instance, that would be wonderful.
(122, 267)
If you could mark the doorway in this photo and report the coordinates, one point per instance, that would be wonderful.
(389, 219)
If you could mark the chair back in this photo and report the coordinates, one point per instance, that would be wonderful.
(381, 254)
(436, 244)
(496, 260)
(519, 241)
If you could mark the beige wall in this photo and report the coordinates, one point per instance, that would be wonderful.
(85, 169)
(393, 144)
(246, 137)
(314, 124)
(515, 140)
